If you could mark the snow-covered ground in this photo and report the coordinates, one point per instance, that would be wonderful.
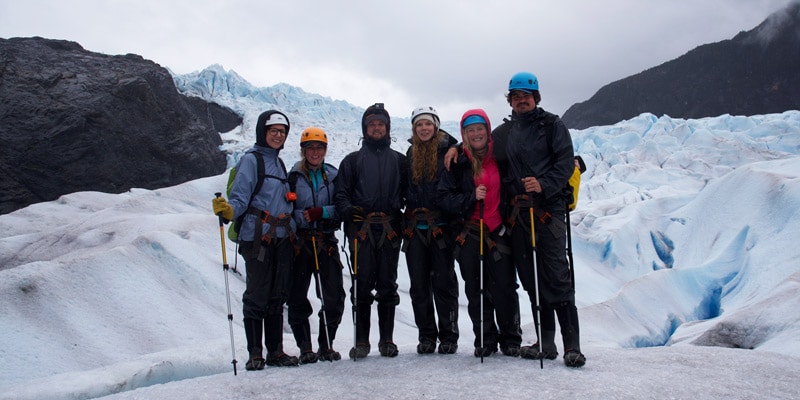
(685, 254)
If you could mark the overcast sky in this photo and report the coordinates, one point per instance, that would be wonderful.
(451, 54)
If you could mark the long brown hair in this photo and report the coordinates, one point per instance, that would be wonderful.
(424, 156)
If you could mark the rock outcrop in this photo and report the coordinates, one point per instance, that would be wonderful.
(74, 120)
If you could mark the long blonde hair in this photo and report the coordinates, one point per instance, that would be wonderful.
(476, 157)
(305, 169)
(424, 157)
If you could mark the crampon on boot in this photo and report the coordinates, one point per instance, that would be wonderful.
(574, 358)
(255, 363)
(533, 353)
(388, 349)
(308, 357)
(485, 351)
(329, 355)
(360, 351)
(510, 350)
(282, 360)
(448, 348)
(426, 346)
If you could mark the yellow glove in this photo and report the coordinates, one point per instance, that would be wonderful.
(221, 206)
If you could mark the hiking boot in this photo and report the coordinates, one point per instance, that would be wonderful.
(329, 355)
(511, 351)
(485, 351)
(533, 353)
(308, 357)
(426, 346)
(360, 351)
(388, 349)
(255, 363)
(574, 358)
(448, 348)
(282, 360)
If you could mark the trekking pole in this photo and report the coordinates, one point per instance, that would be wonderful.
(569, 249)
(227, 287)
(354, 278)
(536, 284)
(481, 272)
(319, 286)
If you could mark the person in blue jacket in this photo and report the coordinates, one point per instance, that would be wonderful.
(317, 221)
(265, 235)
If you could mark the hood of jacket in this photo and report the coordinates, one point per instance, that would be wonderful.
(261, 127)
(371, 111)
(479, 112)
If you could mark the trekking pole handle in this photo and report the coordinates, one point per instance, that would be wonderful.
(480, 238)
(533, 228)
(219, 215)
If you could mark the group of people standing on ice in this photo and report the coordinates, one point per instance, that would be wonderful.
(496, 203)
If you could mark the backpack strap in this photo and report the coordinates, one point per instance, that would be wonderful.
(260, 175)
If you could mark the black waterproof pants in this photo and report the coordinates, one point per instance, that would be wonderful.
(500, 291)
(333, 295)
(375, 264)
(431, 269)
(268, 271)
(557, 295)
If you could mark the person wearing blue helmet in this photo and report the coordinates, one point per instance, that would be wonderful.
(536, 159)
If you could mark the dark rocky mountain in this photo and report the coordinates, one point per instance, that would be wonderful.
(74, 120)
(756, 72)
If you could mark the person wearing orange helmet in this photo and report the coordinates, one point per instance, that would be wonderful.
(317, 221)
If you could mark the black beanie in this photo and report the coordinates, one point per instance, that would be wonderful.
(375, 111)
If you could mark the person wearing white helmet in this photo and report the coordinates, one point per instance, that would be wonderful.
(535, 154)
(265, 236)
(428, 237)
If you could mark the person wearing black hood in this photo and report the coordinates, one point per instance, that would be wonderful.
(265, 238)
(536, 159)
(369, 197)
(428, 237)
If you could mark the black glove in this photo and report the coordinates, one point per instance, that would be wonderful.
(357, 213)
